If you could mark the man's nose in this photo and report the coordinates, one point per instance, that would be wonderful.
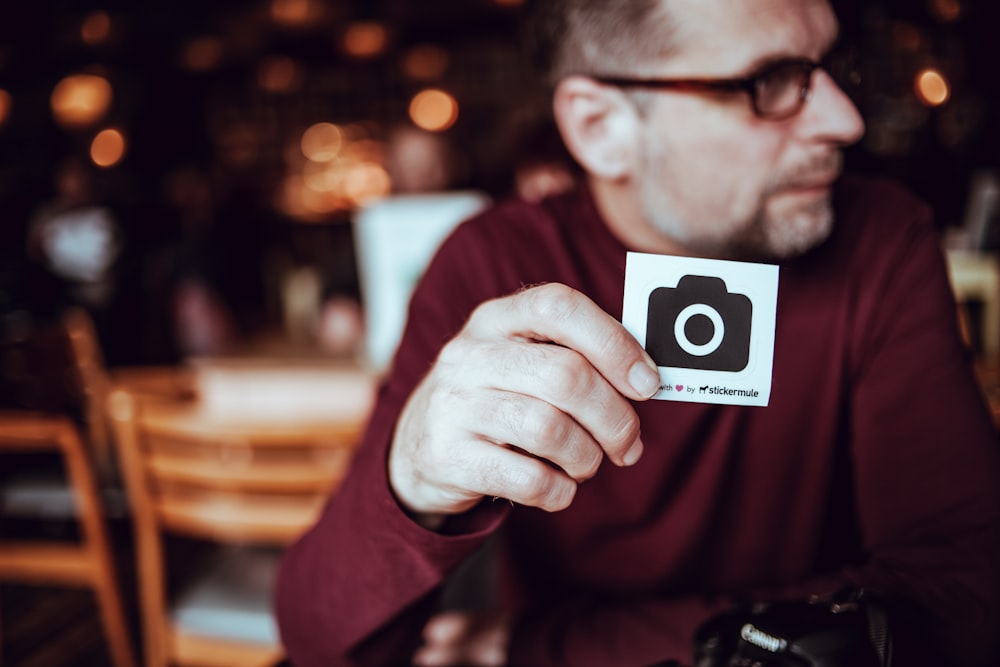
(830, 116)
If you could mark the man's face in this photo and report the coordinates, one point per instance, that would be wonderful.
(714, 177)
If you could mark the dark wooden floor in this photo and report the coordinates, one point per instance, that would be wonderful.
(53, 626)
(50, 627)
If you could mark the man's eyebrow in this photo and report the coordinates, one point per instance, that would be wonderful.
(765, 60)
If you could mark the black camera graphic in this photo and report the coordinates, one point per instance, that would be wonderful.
(699, 324)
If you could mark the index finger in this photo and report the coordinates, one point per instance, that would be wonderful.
(556, 313)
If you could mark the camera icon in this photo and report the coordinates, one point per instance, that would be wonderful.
(699, 324)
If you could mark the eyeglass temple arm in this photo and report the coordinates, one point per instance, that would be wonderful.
(711, 85)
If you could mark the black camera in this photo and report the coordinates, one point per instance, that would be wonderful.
(846, 630)
(699, 324)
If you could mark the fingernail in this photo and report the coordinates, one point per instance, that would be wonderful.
(633, 454)
(645, 380)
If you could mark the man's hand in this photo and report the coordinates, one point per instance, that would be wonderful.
(465, 639)
(523, 404)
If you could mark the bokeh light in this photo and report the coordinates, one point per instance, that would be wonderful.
(322, 176)
(425, 62)
(279, 74)
(6, 102)
(295, 13)
(433, 110)
(932, 88)
(321, 142)
(108, 148)
(365, 39)
(80, 100)
(96, 28)
(366, 181)
(331, 169)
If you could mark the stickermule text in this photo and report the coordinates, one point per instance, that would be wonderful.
(728, 391)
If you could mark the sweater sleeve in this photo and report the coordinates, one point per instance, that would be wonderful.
(358, 587)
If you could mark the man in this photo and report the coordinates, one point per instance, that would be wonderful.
(630, 522)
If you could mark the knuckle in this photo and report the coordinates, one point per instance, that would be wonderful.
(550, 302)
(553, 432)
(532, 484)
(544, 423)
(455, 352)
(484, 310)
(567, 375)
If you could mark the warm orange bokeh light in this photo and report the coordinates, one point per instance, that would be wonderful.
(365, 39)
(96, 28)
(425, 62)
(108, 148)
(366, 181)
(294, 12)
(80, 100)
(322, 176)
(322, 142)
(279, 74)
(433, 110)
(342, 170)
(932, 88)
(5, 105)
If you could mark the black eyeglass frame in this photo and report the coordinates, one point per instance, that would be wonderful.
(749, 84)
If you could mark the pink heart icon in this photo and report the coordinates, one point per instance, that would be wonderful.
(679, 387)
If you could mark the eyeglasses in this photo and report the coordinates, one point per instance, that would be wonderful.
(777, 91)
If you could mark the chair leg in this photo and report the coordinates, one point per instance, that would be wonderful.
(109, 602)
(1, 631)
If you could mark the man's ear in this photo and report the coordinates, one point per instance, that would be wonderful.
(598, 125)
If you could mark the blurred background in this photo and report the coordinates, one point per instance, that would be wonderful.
(206, 151)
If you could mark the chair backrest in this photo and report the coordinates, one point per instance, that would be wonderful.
(218, 483)
(92, 377)
(84, 561)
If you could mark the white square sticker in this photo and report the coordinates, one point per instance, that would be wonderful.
(707, 323)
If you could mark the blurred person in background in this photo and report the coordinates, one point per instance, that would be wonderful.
(419, 161)
(706, 128)
(187, 271)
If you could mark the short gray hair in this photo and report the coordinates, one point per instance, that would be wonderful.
(566, 37)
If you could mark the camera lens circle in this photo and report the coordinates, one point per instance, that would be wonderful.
(695, 349)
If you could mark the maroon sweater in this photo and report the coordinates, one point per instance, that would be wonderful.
(875, 464)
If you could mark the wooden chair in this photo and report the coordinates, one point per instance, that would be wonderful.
(53, 380)
(88, 562)
(96, 381)
(247, 490)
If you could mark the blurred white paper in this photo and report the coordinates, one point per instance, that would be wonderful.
(708, 324)
(395, 238)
